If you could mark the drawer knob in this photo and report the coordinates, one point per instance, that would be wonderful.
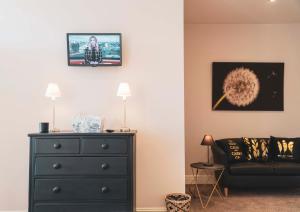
(56, 166)
(104, 189)
(57, 146)
(56, 189)
(104, 166)
(104, 146)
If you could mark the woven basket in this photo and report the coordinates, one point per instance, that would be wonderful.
(177, 202)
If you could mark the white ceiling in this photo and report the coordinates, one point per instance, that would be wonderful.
(242, 11)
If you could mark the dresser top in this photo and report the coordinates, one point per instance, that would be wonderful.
(51, 134)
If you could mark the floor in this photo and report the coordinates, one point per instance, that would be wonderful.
(262, 200)
(253, 200)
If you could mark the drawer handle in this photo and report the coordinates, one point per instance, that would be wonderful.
(104, 166)
(56, 189)
(56, 166)
(104, 146)
(57, 146)
(104, 189)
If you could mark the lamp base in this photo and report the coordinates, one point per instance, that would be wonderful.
(125, 129)
(208, 164)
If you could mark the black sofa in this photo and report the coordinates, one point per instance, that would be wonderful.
(245, 174)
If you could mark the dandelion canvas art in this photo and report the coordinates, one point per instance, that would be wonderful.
(248, 86)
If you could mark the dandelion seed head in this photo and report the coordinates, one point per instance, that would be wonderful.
(241, 86)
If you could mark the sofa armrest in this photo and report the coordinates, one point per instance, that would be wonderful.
(220, 157)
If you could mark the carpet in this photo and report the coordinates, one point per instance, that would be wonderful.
(252, 200)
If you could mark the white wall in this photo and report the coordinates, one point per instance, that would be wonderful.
(33, 53)
(205, 44)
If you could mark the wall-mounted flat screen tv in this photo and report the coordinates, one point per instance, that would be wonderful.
(94, 49)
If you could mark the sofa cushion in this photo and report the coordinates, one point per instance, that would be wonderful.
(286, 149)
(234, 149)
(286, 168)
(258, 149)
(251, 168)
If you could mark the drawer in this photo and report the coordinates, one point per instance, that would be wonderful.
(113, 207)
(113, 145)
(50, 146)
(81, 166)
(80, 189)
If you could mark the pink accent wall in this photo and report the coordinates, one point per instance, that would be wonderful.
(207, 43)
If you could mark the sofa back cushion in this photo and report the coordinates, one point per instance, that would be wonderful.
(257, 149)
(286, 149)
(234, 149)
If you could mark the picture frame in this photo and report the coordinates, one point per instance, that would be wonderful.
(248, 86)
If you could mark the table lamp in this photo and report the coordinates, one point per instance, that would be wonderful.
(208, 141)
(124, 92)
(53, 92)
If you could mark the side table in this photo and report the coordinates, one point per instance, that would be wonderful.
(200, 166)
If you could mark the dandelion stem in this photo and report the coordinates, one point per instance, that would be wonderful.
(219, 101)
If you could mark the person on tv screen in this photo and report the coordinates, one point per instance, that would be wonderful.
(93, 55)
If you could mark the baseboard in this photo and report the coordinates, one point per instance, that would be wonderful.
(202, 179)
(15, 211)
(163, 209)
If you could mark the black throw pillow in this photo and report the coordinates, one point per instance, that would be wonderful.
(234, 149)
(286, 149)
(258, 149)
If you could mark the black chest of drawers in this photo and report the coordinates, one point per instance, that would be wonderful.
(82, 172)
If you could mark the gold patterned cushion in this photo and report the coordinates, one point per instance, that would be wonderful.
(258, 149)
(285, 149)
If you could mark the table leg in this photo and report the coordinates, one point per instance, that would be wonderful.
(214, 188)
(218, 189)
(196, 185)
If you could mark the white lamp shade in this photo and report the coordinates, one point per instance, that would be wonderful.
(124, 90)
(53, 91)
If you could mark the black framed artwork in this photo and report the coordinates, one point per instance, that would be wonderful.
(246, 86)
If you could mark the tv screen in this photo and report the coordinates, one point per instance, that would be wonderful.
(94, 49)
